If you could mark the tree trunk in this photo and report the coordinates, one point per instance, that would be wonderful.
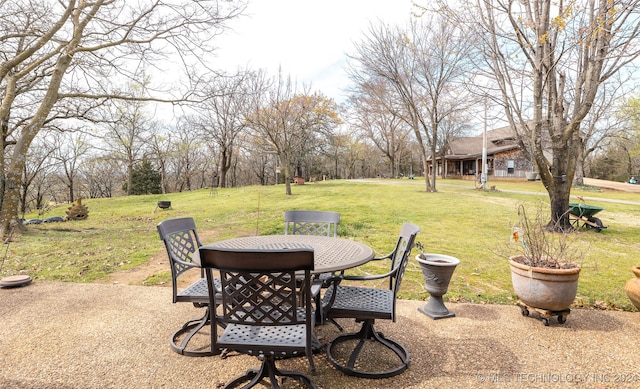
(578, 178)
(11, 194)
(224, 167)
(10, 201)
(129, 176)
(434, 173)
(559, 197)
(71, 197)
(427, 181)
(286, 171)
(287, 184)
(558, 177)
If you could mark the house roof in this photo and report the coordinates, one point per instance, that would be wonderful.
(498, 140)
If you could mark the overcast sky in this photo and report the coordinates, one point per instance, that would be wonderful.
(309, 39)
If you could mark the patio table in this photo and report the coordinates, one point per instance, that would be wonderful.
(330, 254)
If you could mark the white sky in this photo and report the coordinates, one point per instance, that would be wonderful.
(308, 39)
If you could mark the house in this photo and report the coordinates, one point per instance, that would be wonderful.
(505, 159)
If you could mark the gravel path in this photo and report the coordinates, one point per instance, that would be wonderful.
(64, 335)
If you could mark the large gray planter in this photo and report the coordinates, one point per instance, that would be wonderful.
(549, 289)
(437, 270)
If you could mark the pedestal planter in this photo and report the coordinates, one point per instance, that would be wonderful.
(549, 289)
(632, 287)
(437, 270)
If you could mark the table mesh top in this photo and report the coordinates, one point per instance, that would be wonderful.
(331, 254)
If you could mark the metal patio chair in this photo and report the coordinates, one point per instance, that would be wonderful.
(317, 223)
(366, 304)
(182, 242)
(260, 310)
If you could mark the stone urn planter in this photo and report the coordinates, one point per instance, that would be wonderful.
(550, 291)
(632, 287)
(437, 270)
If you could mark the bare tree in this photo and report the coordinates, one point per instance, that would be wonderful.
(129, 131)
(189, 154)
(221, 116)
(161, 150)
(425, 65)
(36, 172)
(55, 53)
(627, 145)
(602, 125)
(549, 60)
(378, 118)
(103, 176)
(597, 128)
(70, 149)
(285, 122)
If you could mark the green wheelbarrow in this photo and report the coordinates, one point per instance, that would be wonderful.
(583, 213)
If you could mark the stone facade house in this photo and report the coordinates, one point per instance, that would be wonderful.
(505, 159)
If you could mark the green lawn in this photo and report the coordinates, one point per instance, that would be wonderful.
(458, 220)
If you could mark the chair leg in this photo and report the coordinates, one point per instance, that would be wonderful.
(367, 332)
(320, 319)
(268, 370)
(190, 328)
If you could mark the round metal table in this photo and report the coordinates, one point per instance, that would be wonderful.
(330, 254)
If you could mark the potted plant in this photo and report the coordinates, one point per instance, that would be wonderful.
(437, 270)
(544, 274)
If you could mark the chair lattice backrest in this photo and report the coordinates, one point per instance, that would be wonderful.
(259, 287)
(181, 241)
(261, 298)
(265, 308)
(319, 223)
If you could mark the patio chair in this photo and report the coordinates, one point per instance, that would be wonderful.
(317, 223)
(182, 242)
(366, 304)
(260, 310)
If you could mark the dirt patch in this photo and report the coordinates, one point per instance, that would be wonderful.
(136, 276)
(159, 263)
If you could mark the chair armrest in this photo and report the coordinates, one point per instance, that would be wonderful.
(316, 287)
(342, 276)
(369, 277)
(383, 257)
(187, 264)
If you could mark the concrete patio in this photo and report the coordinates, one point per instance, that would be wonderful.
(64, 335)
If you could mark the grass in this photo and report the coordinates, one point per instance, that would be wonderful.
(469, 224)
